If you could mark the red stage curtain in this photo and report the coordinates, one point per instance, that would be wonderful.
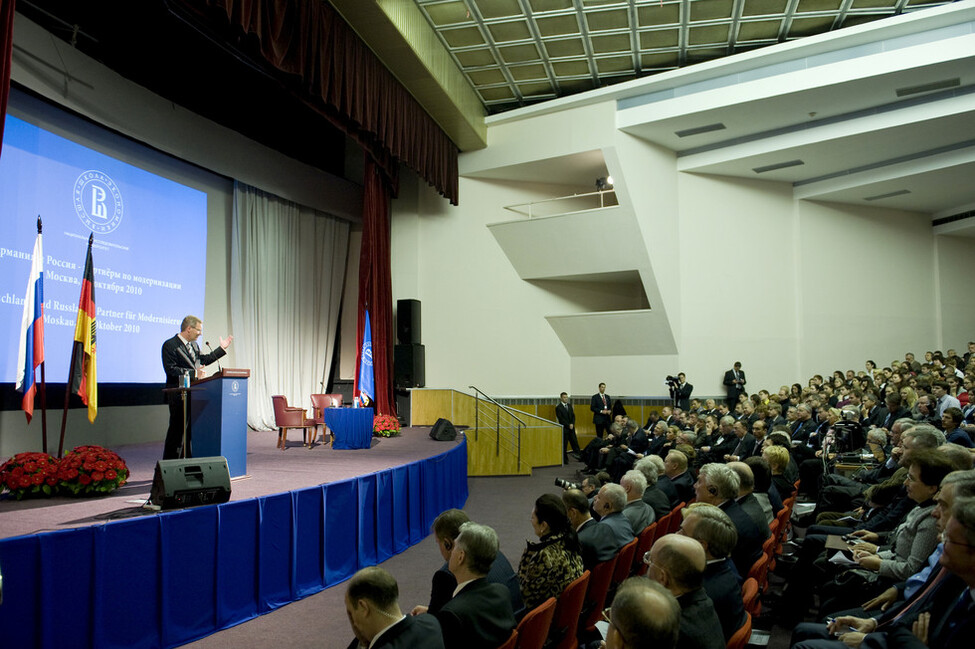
(6, 51)
(343, 79)
(375, 286)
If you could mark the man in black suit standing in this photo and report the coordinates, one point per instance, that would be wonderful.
(734, 380)
(182, 354)
(567, 417)
(602, 410)
(680, 392)
(479, 615)
(371, 603)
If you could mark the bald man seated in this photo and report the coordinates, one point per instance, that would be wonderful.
(372, 604)
(677, 563)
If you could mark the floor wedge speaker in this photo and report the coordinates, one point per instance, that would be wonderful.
(190, 482)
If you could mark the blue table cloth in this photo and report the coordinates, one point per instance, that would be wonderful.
(352, 426)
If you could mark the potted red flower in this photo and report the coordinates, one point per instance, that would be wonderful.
(385, 426)
(30, 474)
(88, 470)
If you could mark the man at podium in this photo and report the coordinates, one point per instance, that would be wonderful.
(181, 354)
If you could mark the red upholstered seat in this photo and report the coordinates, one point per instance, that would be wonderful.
(562, 634)
(533, 628)
(739, 640)
(287, 417)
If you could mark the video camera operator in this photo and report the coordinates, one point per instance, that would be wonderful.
(680, 391)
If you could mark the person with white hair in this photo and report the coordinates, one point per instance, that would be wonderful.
(717, 484)
(636, 511)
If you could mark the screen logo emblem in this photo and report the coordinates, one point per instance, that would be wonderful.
(97, 201)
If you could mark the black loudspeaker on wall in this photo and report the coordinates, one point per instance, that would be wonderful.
(408, 322)
(409, 366)
(190, 482)
(443, 431)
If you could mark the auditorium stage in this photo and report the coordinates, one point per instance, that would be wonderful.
(80, 573)
(270, 471)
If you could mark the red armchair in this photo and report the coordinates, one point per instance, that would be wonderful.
(287, 417)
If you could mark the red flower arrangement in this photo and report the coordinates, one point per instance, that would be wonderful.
(91, 470)
(385, 426)
(30, 474)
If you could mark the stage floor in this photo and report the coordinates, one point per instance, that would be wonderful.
(269, 471)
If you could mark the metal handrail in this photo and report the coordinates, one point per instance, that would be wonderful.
(499, 407)
(602, 203)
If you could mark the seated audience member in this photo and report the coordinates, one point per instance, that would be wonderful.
(782, 438)
(961, 458)
(767, 497)
(778, 459)
(718, 485)
(590, 486)
(446, 527)
(745, 444)
(652, 495)
(951, 422)
(596, 452)
(904, 550)
(746, 496)
(636, 511)
(597, 543)
(901, 602)
(372, 605)
(644, 615)
(723, 443)
(712, 528)
(609, 504)
(550, 565)
(677, 563)
(632, 449)
(479, 614)
(677, 478)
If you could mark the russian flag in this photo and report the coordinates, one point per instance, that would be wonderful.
(31, 350)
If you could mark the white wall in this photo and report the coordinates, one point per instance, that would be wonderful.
(740, 269)
(956, 268)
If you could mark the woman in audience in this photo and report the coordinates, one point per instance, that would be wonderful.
(778, 460)
(907, 547)
(909, 399)
(550, 565)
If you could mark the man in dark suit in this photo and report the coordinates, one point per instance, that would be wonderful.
(182, 354)
(677, 563)
(680, 392)
(677, 478)
(657, 499)
(446, 527)
(746, 443)
(602, 410)
(480, 615)
(371, 603)
(597, 542)
(567, 417)
(734, 381)
(712, 528)
(718, 485)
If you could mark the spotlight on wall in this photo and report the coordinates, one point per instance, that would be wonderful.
(604, 183)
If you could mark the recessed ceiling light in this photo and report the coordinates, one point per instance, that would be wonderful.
(779, 165)
(899, 192)
(928, 87)
(697, 130)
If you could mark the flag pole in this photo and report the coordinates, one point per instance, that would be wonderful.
(43, 389)
(67, 385)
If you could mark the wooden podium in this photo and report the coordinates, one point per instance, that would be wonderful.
(218, 414)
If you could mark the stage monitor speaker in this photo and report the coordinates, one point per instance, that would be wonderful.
(190, 482)
(443, 431)
(409, 366)
(408, 322)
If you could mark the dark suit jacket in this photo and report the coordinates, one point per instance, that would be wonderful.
(754, 510)
(942, 634)
(682, 396)
(734, 390)
(596, 404)
(420, 632)
(723, 585)
(565, 414)
(667, 486)
(658, 500)
(597, 542)
(750, 537)
(745, 446)
(684, 484)
(699, 624)
(478, 617)
(176, 359)
(501, 573)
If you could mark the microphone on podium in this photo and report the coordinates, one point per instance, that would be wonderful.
(219, 369)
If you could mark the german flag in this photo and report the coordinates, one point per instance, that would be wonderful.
(84, 380)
